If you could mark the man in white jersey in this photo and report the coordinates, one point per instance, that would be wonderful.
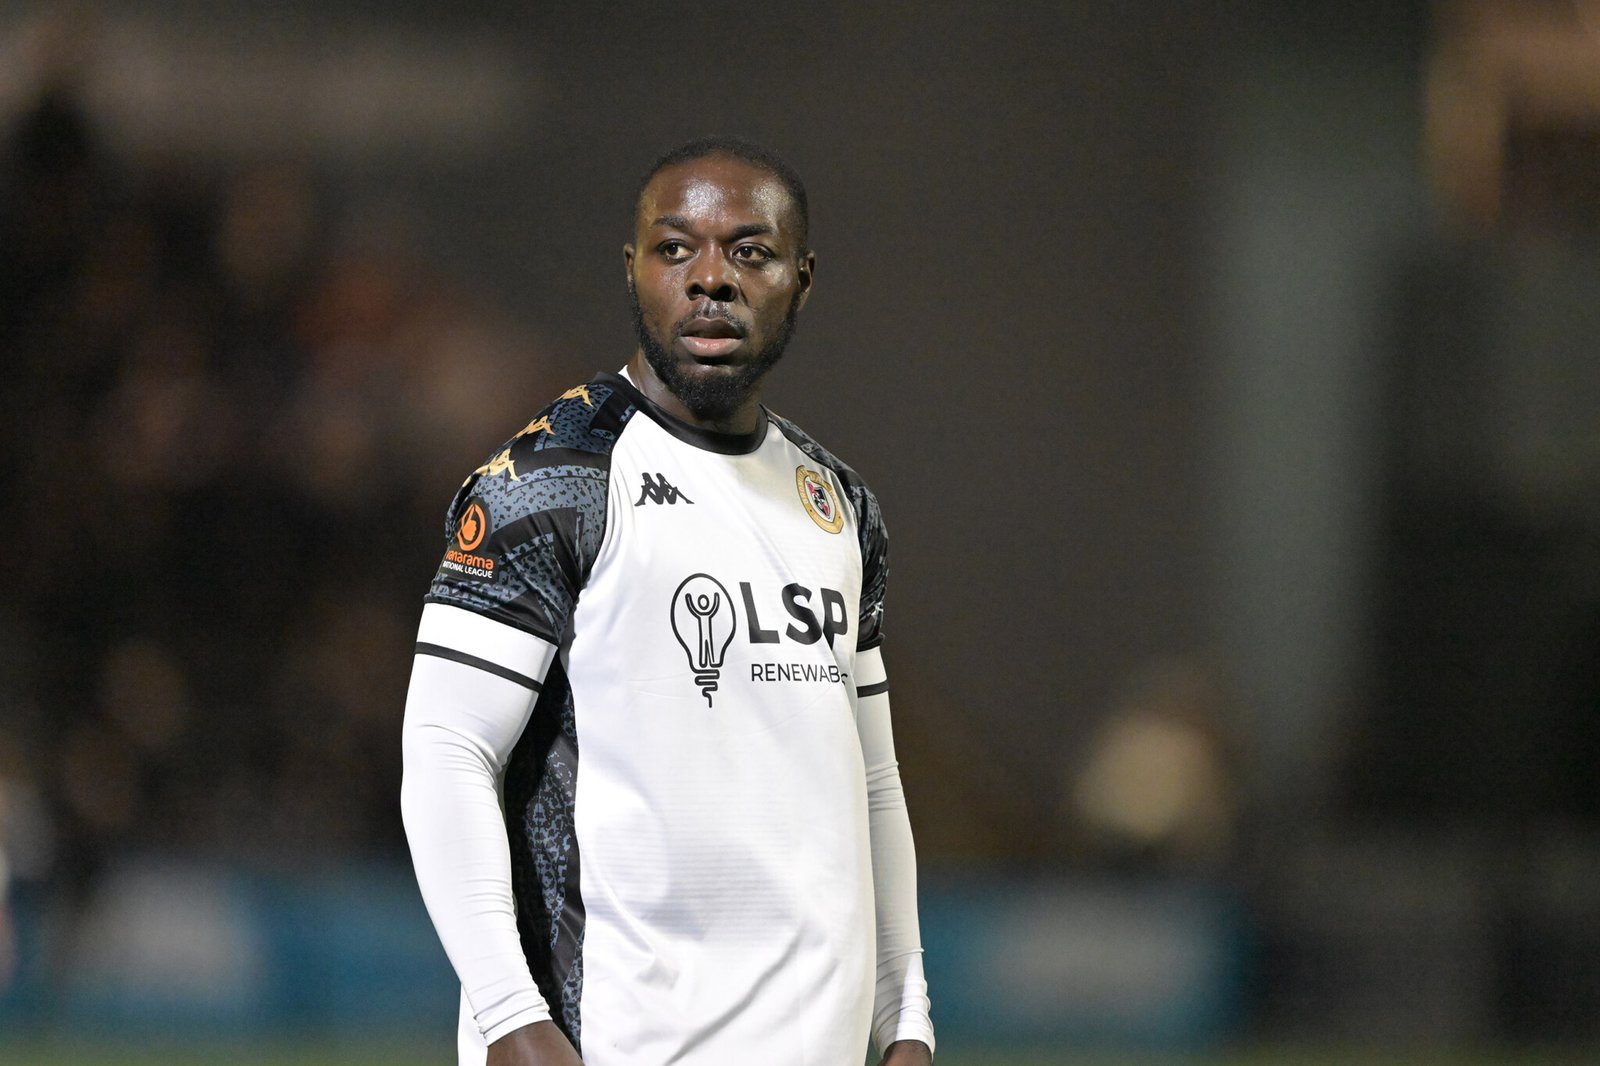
(650, 785)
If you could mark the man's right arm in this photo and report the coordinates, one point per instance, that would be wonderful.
(473, 686)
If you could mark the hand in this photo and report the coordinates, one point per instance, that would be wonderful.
(539, 1044)
(907, 1053)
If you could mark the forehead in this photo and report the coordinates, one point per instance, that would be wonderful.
(717, 191)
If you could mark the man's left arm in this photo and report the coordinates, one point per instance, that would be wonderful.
(900, 1022)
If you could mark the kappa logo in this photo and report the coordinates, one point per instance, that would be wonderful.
(503, 463)
(500, 464)
(660, 491)
(540, 424)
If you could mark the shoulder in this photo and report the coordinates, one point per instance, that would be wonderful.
(526, 526)
(817, 453)
(862, 498)
(873, 537)
(557, 459)
(581, 424)
(579, 429)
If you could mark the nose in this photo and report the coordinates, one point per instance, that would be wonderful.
(713, 277)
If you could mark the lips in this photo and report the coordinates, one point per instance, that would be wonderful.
(710, 338)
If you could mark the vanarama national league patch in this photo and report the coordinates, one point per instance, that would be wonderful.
(465, 558)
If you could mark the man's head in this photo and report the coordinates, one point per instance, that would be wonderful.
(717, 270)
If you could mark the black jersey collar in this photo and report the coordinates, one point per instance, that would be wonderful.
(707, 439)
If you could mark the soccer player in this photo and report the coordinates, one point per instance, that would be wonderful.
(650, 786)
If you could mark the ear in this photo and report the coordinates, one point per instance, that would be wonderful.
(805, 272)
(627, 264)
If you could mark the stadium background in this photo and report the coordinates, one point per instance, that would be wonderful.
(1227, 372)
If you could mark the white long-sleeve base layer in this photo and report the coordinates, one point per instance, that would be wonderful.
(675, 638)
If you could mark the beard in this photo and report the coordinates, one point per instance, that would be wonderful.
(712, 399)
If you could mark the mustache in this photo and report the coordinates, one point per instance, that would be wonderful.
(708, 312)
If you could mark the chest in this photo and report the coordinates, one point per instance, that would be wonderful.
(758, 549)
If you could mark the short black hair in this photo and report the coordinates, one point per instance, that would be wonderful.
(756, 155)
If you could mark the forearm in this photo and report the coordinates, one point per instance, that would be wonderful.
(900, 1008)
(459, 849)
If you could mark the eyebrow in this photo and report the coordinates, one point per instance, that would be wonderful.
(749, 229)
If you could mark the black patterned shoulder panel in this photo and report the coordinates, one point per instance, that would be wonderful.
(525, 527)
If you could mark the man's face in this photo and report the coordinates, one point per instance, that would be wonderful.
(716, 277)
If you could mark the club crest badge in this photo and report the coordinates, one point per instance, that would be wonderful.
(820, 501)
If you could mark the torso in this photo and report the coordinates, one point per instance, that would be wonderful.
(687, 806)
(720, 806)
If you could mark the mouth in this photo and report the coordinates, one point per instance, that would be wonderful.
(711, 338)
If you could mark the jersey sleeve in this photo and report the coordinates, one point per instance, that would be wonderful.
(524, 529)
(522, 534)
(874, 562)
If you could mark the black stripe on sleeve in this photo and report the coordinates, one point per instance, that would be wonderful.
(482, 664)
(872, 690)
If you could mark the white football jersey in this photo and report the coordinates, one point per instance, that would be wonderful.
(694, 618)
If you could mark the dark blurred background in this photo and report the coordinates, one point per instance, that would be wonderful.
(1227, 372)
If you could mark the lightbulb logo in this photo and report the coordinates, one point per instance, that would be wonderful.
(703, 620)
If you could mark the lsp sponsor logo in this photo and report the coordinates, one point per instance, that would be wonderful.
(807, 627)
(705, 622)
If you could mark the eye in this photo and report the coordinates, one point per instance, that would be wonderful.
(673, 249)
(752, 253)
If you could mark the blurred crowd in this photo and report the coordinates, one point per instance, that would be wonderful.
(234, 414)
(232, 420)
